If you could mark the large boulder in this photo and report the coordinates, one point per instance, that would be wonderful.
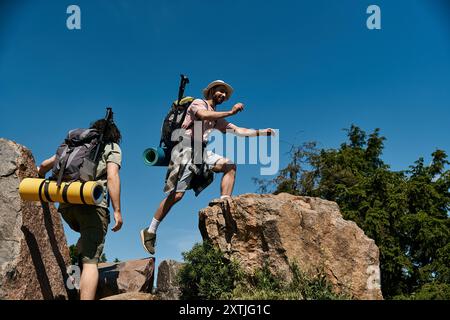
(280, 229)
(167, 287)
(126, 277)
(33, 249)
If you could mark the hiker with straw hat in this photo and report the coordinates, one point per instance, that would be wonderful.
(201, 114)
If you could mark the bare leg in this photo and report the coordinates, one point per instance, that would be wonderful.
(167, 204)
(88, 281)
(228, 178)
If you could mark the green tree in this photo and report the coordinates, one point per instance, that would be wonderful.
(102, 258)
(73, 252)
(405, 212)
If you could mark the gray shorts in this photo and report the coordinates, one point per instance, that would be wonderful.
(210, 160)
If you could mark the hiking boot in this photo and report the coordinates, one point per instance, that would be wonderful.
(148, 240)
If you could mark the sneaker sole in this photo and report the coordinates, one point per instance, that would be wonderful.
(142, 242)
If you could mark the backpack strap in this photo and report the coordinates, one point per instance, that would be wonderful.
(64, 192)
(71, 156)
(105, 175)
(100, 150)
(192, 123)
(44, 196)
(81, 192)
(46, 187)
(62, 165)
(184, 114)
(175, 113)
(40, 191)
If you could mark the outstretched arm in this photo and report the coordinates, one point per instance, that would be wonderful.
(244, 132)
(45, 166)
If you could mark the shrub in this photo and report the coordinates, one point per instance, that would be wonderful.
(208, 275)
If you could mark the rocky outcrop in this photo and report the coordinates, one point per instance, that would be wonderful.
(33, 250)
(167, 286)
(126, 277)
(281, 229)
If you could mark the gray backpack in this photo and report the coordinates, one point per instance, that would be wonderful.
(75, 157)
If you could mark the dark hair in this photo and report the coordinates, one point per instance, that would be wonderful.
(112, 133)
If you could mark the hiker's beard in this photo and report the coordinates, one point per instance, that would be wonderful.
(218, 100)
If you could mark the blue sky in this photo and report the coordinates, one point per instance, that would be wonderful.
(307, 68)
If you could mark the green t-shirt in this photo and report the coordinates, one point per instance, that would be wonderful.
(112, 153)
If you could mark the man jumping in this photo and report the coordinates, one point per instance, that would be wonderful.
(203, 111)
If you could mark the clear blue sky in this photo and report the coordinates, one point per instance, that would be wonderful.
(307, 68)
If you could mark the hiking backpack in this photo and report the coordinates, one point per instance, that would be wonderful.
(175, 117)
(173, 121)
(75, 156)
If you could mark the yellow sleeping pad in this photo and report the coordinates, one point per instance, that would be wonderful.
(34, 189)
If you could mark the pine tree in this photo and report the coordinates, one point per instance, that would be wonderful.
(405, 212)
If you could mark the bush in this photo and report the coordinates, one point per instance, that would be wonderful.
(264, 285)
(208, 275)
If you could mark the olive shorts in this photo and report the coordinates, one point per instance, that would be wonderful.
(92, 224)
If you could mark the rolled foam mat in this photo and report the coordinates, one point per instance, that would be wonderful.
(156, 157)
(34, 189)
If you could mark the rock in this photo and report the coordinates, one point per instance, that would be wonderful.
(33, 249)
(167, 286)
(132, 296)
(280, 229)
(126, 277)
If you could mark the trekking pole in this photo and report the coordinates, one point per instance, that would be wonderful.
(183, 82)
(100, 145)
(108, 118)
